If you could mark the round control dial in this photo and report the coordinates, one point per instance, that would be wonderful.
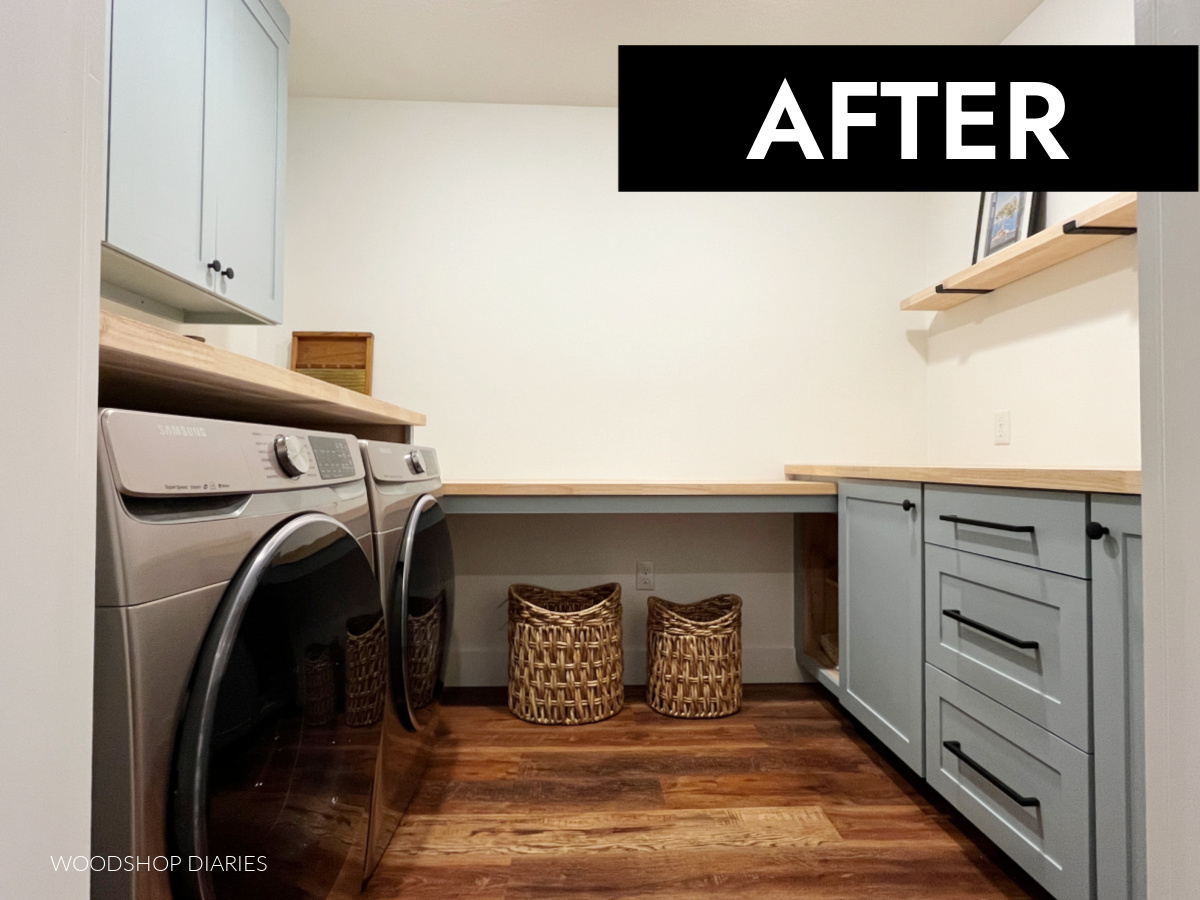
(289, 450)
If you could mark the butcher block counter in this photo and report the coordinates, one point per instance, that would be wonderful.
(147, 368)
(639, 497)
(1100, 481)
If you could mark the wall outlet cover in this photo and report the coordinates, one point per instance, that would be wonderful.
(1003, 426)
(645, 576)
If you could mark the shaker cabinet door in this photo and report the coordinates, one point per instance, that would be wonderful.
(881, 653)
(244, 143)
(1119, 714)
(156, 134)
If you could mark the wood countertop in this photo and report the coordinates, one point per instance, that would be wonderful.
(1104, 481)
(147, 368)
(640, 497)
(638, 488)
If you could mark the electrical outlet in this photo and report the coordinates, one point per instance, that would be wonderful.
(1003, 426)
(645, 576)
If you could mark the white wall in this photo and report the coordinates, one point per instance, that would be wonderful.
(1059, 350)
(551, 327)
(51, 167)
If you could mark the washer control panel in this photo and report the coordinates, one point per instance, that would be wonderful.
(161, 455)
(400, 463)
(335, 458)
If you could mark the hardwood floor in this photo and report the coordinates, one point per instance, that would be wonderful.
(784, 799)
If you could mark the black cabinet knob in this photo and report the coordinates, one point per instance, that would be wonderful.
(1096, 531)
(215, 265)
(228, 273)
(907, 505)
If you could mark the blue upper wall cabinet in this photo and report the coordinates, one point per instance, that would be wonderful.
(197, 130)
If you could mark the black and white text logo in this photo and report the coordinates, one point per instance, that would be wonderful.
(852, 118)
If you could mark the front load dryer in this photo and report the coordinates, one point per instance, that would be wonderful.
(415, 570)
(235, 596)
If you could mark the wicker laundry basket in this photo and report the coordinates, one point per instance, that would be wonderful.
(319, 701)
(694, 657)
(425, 642)
(565, 662)
(366, 676)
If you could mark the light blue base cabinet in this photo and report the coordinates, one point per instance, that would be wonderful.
(881, 656)
(1119, 714)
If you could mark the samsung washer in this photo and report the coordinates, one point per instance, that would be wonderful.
(230, 559)
(415, 568)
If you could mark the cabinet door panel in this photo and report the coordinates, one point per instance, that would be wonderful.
(244, 151)
(1119, 715)
(881, 651)
(155, 173)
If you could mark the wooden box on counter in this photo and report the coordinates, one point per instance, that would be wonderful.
(338, 357)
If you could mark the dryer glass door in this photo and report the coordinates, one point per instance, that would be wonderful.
(423, 600)
(420, 612)
(272, 781)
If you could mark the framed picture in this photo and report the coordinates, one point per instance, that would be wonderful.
(1006, 217)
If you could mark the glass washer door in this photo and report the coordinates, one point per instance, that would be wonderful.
(272, 783)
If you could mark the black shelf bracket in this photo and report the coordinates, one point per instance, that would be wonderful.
(945, 290)
(1072, 228)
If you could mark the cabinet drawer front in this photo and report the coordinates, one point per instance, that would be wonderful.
(1007, 756)
(982, 614)
(1035, 528)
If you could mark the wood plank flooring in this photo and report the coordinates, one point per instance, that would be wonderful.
(784, 799)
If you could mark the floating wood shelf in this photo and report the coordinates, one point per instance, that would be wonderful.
(1110, 219)
(147, 368)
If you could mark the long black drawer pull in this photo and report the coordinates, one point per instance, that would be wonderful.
(988, 629)
(956, 748)
(999, 526)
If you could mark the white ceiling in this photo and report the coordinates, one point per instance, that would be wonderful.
(564, 52)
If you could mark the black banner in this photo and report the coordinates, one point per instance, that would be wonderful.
(908, 118)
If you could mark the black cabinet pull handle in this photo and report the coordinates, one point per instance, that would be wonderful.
(907, 505)
(215, 265)
(987, 629)
(228, 273)
(999, 526)
(1096, 531)
(955, 747)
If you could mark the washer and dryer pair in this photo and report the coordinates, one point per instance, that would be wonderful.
(272, 620)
